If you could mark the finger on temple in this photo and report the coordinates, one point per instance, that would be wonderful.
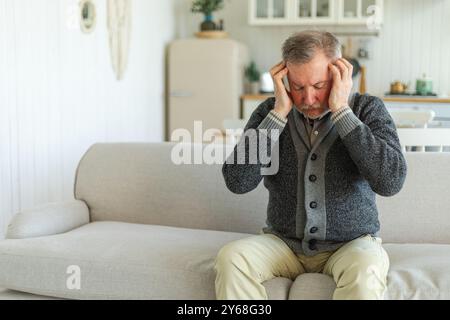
(277, 69)
(343, 68)
(335, 72)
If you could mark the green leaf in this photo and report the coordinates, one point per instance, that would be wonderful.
(207, 6)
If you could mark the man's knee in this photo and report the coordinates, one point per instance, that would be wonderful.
(362, 261)
(361, 275)
(232, 254)
(364, 269)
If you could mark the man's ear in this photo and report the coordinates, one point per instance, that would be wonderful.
(286, 83)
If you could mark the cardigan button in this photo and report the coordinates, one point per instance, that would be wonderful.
(312, 178)
(313, 205)
(313, 230)
(314, 157)
(312, 244)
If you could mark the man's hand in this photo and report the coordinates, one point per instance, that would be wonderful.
(342, 71)
(283, 98)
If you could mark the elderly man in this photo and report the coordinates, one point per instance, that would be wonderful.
(335, 151)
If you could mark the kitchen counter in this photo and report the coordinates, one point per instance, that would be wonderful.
(415, 99)
(256, 96)
(400, 98)
(441, 106)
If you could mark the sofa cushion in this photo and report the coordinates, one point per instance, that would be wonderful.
(278, 288)
(120, 261)
(312, 286)
(417, 271)
(133, 261)
(6, 294)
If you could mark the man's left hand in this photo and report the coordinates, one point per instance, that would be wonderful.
(342, 71)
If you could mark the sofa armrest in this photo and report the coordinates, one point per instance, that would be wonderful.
(48, 219)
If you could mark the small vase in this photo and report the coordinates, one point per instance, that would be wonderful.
(208, 24)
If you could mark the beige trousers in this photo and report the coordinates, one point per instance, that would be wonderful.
(359, 268)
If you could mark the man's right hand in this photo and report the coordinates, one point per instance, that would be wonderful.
(283, 98)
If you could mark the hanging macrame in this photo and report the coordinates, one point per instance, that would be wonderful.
(119, 27)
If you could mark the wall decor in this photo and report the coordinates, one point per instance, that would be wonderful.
(88, 16)
(119, 28)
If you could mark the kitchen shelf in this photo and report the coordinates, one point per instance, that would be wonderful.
(256, 96)
(417, 99)
(367, 13)
(388, 99)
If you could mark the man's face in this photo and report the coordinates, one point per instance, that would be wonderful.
(310, 85)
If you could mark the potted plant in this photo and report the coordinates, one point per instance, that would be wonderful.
(253, 75)
(207, 7)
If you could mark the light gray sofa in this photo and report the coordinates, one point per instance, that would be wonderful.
(142, 227)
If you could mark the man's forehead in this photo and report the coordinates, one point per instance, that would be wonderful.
(300, 81)
(313, 72)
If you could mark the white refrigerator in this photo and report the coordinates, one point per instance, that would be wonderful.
(205, 82)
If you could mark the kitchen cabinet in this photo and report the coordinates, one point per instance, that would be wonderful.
(313, 11)
(269, 12)
(360, 12)
(316, 12)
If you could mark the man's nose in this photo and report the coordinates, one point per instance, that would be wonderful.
(309, 98)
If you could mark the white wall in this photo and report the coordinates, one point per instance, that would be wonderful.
(415, 39)
(58, 94)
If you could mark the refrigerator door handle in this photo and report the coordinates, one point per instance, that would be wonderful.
(181, 94)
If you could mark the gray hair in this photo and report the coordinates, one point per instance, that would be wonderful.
(301, 47)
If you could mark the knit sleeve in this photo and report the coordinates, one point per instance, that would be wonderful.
(373, 144)
(252, 157)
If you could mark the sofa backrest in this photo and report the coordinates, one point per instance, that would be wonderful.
(420, 212)
(139, 183)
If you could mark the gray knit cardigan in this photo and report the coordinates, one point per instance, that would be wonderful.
(322, 196)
